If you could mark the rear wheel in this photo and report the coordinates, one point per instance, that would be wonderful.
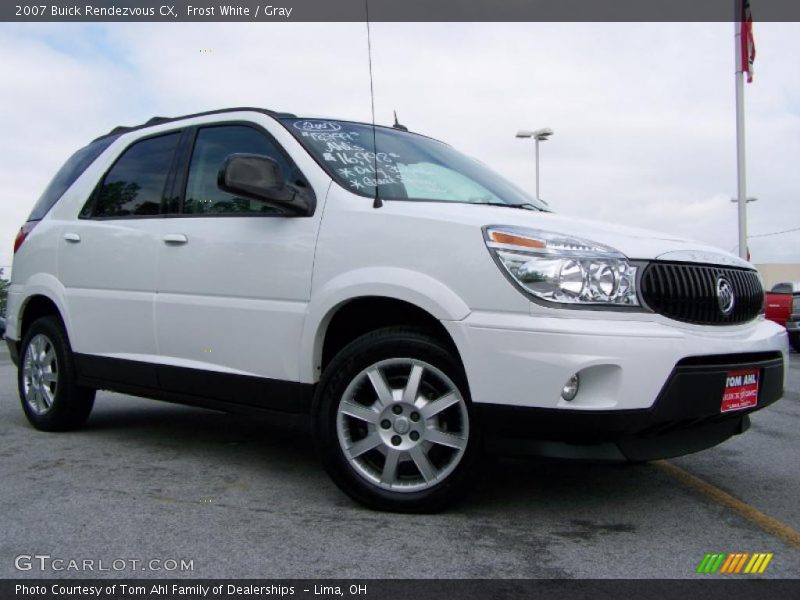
(392, 420)
(50, 397)
(794, 340)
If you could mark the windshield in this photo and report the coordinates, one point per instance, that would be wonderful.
(409, 166)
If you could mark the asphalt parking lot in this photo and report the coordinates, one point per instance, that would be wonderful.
(147, 480)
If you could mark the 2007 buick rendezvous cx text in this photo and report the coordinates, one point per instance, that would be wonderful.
(165, 10)
(242, 259)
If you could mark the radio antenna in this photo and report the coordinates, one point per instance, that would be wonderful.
(377, 202)
(397, 123)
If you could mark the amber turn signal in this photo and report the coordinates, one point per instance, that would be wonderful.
(515, 240)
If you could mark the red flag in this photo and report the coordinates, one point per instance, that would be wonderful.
(748, 44)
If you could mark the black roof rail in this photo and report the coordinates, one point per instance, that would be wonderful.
(119, 130)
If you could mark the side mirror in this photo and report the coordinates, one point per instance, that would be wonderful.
(259, 178)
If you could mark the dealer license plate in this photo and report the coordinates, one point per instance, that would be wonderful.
(741, 390)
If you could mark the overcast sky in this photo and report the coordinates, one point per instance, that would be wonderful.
(643, 114)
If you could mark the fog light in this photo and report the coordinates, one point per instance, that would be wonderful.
(570, 389)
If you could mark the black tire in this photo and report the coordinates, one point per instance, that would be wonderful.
(70, 404)
(378, 347)
(794, 340)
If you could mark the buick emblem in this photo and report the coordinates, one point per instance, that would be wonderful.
(725, 296)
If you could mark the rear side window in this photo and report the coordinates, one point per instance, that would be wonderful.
(135, 184)
(66, 176)
(212, 146)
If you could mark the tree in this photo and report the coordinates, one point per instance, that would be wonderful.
(4, 283)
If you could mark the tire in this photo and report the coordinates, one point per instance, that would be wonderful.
(50, 396)
(794, 340)
(395, 449)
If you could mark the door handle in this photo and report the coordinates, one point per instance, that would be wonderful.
(72, 237)
(175, 238)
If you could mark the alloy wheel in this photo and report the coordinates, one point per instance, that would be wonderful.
(40, 374)
(403, 425)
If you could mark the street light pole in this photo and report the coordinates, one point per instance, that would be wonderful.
(537, 168)
(540, 135)
(741, 182)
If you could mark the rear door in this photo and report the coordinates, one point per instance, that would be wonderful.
(107, 263)
(234, 278)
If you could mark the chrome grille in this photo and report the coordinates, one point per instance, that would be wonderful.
(688, 292)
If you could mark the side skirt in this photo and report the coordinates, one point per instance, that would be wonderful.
(287, 402)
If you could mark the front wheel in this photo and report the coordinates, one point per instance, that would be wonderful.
(393, 422)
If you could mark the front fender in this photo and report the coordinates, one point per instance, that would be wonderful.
(407, 285)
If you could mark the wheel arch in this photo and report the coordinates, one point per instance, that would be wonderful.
(44, 295)
(34, 307)
(373, 298)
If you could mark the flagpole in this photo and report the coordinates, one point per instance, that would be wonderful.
(740, 164)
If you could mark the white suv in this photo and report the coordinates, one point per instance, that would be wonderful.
(416, 308)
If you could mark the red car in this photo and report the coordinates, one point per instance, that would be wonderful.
(783, 307)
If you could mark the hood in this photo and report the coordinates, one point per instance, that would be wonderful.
(633, 242)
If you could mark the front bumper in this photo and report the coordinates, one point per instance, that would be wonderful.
(685, 418)
(649, 388)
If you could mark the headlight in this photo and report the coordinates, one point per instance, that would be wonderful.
(564, 269)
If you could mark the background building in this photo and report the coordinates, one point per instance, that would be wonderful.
(776, 273)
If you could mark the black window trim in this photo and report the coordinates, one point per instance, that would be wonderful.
(181, 179)
(183, 153)
(92, 200)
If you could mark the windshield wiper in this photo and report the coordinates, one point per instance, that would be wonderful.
(522, 205)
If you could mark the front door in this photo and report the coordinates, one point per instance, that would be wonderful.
(234, 278)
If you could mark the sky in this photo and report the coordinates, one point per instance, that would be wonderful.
(643, 113)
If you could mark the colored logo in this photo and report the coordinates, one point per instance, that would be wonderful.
(742, 563)
(725, 295)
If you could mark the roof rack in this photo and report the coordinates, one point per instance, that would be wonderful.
(119, 130)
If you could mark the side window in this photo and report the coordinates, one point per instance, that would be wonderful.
(135, 184)
(212, 146)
